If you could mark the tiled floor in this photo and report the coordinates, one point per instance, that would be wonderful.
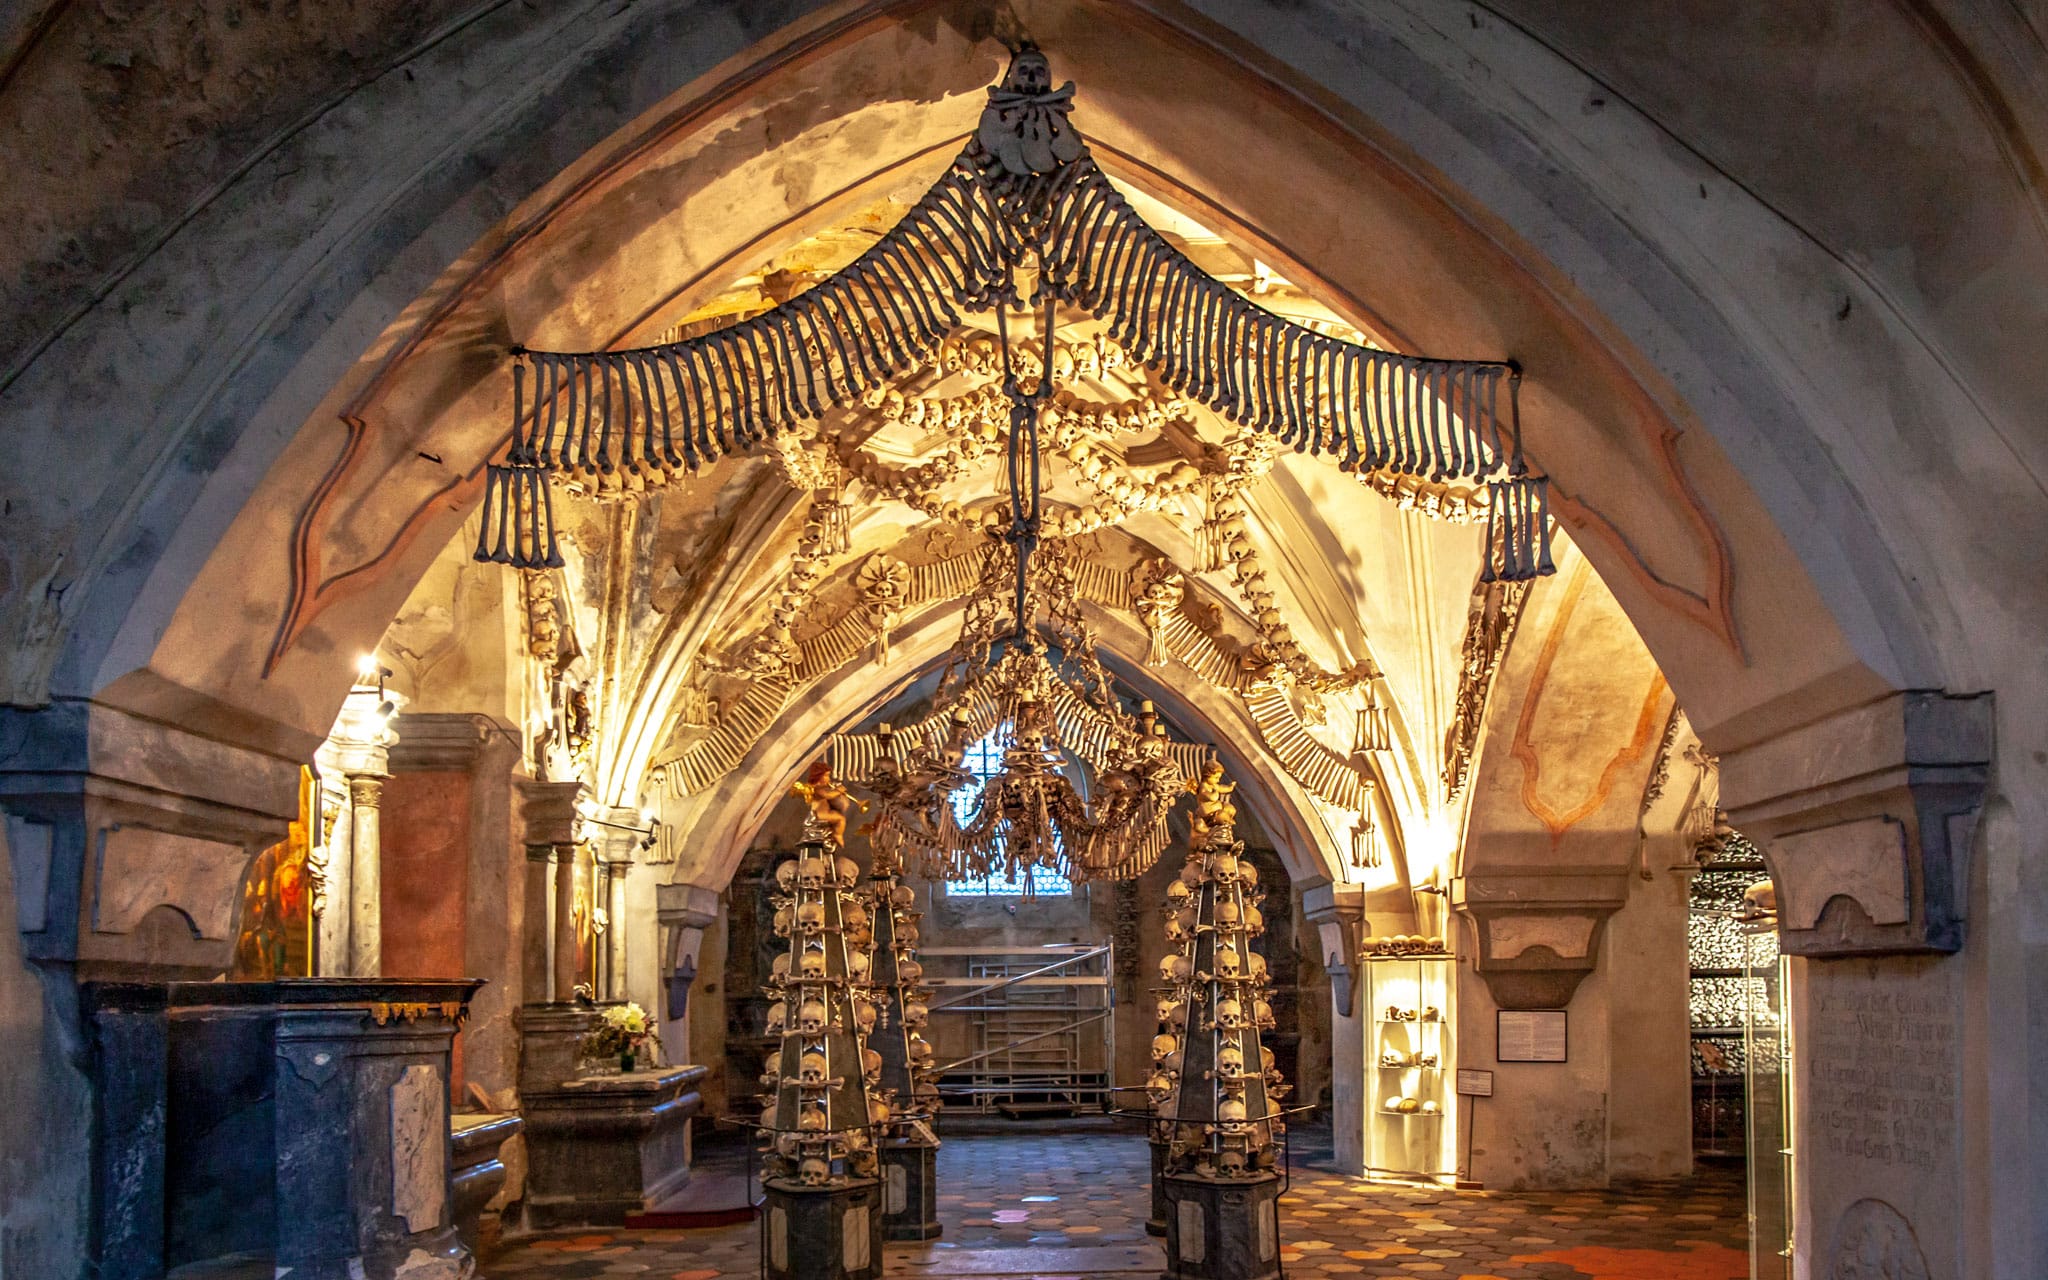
(1074, 1205)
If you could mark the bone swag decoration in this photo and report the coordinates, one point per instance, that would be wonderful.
(1023, 197)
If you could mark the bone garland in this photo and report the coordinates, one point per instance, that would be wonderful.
(1490, 624)
(1215, 1090)
(1241, 561)
(819, 1119)
(656, 411)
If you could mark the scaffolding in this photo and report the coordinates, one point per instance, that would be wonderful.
(1030, 1015)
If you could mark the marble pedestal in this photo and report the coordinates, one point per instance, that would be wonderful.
(1222, 1229)
(479, 1173)
(303, 1122)
(601, 1147)
(832, 1233)
(1156, 1224)
(910, 1191)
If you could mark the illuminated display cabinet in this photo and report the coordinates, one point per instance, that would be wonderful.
(1409, 1067)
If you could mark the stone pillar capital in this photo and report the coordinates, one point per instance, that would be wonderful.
(452, 741)
(617, 835)
(1866, 818)
(549, 811)
(1537, 932)
(1338, 913)
(360, 744)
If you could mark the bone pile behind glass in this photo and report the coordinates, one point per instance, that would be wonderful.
(818, 1117)
(906, 1077)
(1217, 1092)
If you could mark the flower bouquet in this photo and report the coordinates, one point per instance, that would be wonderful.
(622, 1032)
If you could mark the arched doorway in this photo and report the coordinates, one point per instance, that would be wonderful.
(182, 636)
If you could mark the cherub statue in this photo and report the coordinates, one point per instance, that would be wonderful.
(829, 801)
(1214, 809)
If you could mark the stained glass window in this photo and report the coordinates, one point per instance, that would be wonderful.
(985, 760)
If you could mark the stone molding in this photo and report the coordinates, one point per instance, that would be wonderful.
(446, 741)
(682, 912)
(1866, 819)
(130, 837)
(548, 810)
(1338, 913)
(1536, 931)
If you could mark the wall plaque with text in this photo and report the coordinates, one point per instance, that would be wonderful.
(1530, 1035)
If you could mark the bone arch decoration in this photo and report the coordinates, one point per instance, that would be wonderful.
(1192, 635)
(1024, 191)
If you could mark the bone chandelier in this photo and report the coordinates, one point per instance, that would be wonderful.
(1023, 200)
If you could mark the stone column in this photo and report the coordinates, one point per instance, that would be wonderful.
(357, 753)
(1338, 913)
(366, 887)
(618, 846)
(568, 858)
(1867, 819)
(549, 812)
(684, 911)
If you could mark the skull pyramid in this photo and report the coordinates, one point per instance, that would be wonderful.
(820, 1112)
(1214, 1088)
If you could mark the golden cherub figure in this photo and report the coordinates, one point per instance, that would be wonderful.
(830, 802)
(1213, 806)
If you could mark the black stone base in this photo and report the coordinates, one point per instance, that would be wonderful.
(910, 1191)
(1222, 1229)
(832, 1233)
(1156, 1224)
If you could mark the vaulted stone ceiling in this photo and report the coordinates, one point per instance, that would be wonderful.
(702, 619)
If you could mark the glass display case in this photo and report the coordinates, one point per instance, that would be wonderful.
(1409, 1068)
(1767, 1055)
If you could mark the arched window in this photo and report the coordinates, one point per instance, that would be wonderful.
(985, 760)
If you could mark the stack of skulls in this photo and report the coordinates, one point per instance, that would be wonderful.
(1404, 944)
(819, 1116)
(1214, 1087)
(908, 1078)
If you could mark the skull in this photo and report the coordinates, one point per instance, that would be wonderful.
(920, 1050)
(1229, 1015)
(1254, 919)
(1223, 866)
(1230, 1061)
(878, 1110)
(1230, 1161)
(1164, 1007)
(1231, 1110)
(1191, 874)
(906, 934)
(1171, 1063)
(785, 919)
(1176, 932)
(1163, 1045)
(814, 1172)
(768, 1116)
(849, 871)
(811, 1070)
(1160, 1086)
(811, 870)
(811, 1120)
(787, 1146)
(858, 964)
(811, 1018)
(903, 896)
(1248, 873)
(1177, 895)
(1227, 963)
(909, 972)
(915, 1015)
(780, 967)
(811, 964)
(1177, 1016)
(861, 936)
(1266, 1059)
(1255, 964)
(864, 1014)
(1262, 1013)
(1174, 969)
(771, 1075)
(1227, 912)
(785, 875)
(870, 1064)
(853, 914)
(778, 1018)
(810, 918)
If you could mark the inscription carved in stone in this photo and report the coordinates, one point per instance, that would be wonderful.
(1883, 1077)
